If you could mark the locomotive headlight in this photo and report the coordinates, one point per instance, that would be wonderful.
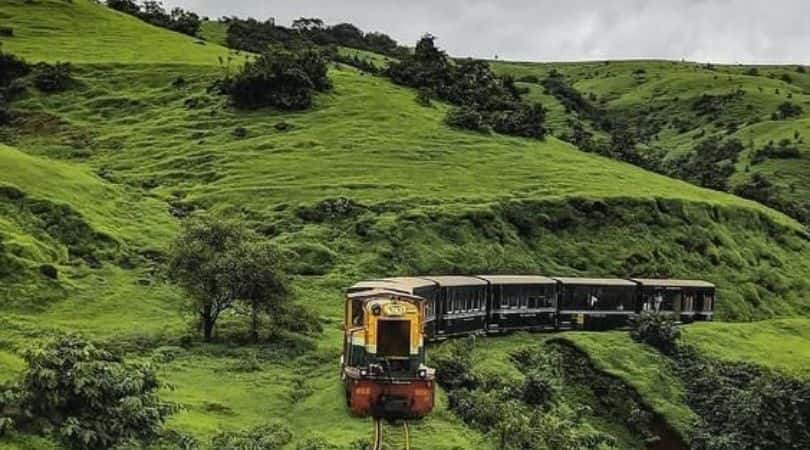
(363, 373)
(421, 373)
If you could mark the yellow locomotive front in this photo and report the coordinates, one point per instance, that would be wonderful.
(383, 363)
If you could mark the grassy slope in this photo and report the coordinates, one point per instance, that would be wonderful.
(367, 140)
(666, 90)
(780, 344)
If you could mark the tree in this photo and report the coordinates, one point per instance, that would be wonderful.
(87, 397)
(281, 78)
(219, 263)
(263, 287)
(125, 6)
(303, 24)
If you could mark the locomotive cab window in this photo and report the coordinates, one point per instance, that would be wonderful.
(356, 313)
(393, 338)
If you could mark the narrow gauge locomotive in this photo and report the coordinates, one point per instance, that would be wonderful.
(383, 363)
(389, 319)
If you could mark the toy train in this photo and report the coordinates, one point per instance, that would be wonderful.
(389, 320)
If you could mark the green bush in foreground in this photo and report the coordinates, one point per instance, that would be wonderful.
(86, 397)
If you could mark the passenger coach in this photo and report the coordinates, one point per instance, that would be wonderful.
(520, 302)
(461, 305)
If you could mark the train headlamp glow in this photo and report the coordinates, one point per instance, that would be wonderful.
(421, 373)
(363, 372)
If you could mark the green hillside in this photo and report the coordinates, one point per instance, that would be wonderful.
(660, 99)
(96, 181)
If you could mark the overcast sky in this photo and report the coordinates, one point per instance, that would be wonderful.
(722, 31)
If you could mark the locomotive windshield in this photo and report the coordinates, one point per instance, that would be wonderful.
(393, 338)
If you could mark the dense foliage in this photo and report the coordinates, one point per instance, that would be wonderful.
(473, 87)
(541, 404)
(657, 330)
(281, 78)
(53, 77)
(87, 397)
(12, 69)
(257, 36)
(711, 163)
(153, 12)
(222, 264)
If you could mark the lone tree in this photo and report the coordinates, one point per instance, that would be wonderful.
(220, 263)
(86, 397)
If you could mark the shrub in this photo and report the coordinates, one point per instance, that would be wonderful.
(656, 330)
(525, 120)
(89, 398)
(6, 31)
(49, 271)
(5, 112)
(424, 97)
(53, 78)
(465, 118)
(453, 364)
(271, 436)
(316, 444)
(279, 78)
(11, 68)
(537, 389)
(240, 132)
(788, 110)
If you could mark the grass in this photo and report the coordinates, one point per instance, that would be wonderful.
(81, 32)
(779, 344)
(140, 137)
(643, 368)
(663, 93)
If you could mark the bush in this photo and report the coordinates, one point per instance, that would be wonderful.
(53, 78)
(271, 436)
(316, 444)
(6, 31)
(279, 78)
(11, 68)
(465, 118)
(656, 330)
(89, 398)
(788, 110)
(453, 364)
(524, 120)
(49, 271)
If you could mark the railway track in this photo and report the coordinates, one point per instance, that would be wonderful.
(397, 435)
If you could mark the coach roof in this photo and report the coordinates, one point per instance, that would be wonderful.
(673, 283)
(595, 281)
(456, 280)
(517, 279)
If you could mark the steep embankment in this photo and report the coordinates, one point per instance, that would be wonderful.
(367, 183)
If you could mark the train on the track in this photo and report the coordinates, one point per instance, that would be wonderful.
(389, 320)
